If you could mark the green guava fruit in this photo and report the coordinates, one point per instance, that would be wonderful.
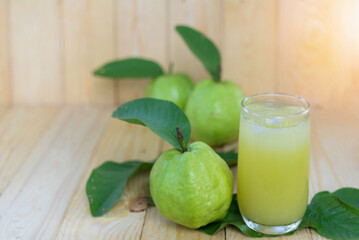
(173, 87)
(192, 188)
(213, 110)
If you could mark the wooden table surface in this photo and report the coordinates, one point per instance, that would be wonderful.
(47, 155)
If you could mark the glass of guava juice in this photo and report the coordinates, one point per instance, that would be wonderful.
(273, 162)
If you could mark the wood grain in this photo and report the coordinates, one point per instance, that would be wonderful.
(5, 81)
(15, 133)
(35, 40)
(141, 30)
(88, 43)
(249, 53)
(314, 57)
(350, 33)
(207, 17)
(37, 197)
(120, 142)
(339, 137)
(48, 49)
(250, 36)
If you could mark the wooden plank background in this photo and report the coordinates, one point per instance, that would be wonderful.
(49, 48)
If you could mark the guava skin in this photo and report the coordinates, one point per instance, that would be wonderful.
(213, 110)
(173, 87)
(192, 188)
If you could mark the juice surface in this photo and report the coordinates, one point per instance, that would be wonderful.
(273, 165)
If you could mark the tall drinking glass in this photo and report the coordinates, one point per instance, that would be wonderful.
(273, 162)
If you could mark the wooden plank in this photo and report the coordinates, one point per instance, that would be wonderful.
(89, 43)
(35, 200)
(351, 26)
(5, 83)
(141, 31)
(18, 139)
(120, 142)
(158, 227)
(315, 53)
(3, 111)
(339, 137)
(249, 53)
(205, 16)
(332, 132)
(323, 174)
(35, 52)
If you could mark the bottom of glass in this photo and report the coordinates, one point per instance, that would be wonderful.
(272, 230)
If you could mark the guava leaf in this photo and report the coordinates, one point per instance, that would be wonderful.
(130, 68)
(234, 218)
(107, 182)
(348, 195)
(230, 157)
(203, 48)
(332, 217)
(160, 116)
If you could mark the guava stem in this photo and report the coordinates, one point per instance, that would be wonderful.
(181, 139)
(218, 79)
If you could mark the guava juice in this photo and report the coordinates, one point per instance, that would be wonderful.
(273, 163)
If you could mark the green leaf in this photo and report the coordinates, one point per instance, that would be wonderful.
(234, 218)
(107, 182)
(348, 195)
(332, 217)
(230, 157)
(204, 49)
(130, 68)
(160, 116)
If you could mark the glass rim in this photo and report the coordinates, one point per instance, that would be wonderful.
(277, 94)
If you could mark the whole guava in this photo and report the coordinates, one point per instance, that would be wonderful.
(213, 110)
(173, 87)
(192, 188)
